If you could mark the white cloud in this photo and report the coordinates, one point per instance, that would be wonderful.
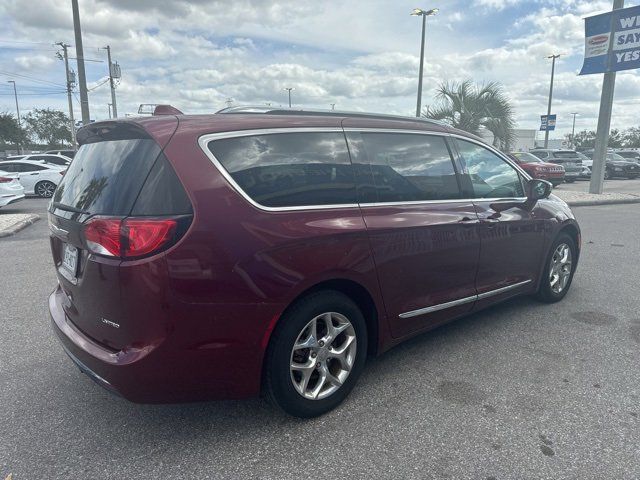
(363, 56)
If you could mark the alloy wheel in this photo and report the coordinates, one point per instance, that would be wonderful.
(45, 189)
(560, 268)
(323, 355)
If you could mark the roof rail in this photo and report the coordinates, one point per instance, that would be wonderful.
(321, 112)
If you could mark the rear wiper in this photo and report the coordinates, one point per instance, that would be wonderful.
(68, 208)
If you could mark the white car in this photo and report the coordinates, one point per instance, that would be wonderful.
(59, 160)
(37, 177)
(10, 188)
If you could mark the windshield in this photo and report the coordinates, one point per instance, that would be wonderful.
(615, 157)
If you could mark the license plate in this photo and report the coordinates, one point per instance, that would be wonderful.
(70, 258)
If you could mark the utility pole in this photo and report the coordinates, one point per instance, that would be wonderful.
(553, 70)
(604, 123)
(82, 79)
(111, 83)
(288, 89)
(15, 94)
(70, 82)
(573, 131)
(109, 105)
(333, 106)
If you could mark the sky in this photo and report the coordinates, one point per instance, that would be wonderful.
(201, 55)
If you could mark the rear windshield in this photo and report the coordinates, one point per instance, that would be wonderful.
(106, 177)
(567, 154)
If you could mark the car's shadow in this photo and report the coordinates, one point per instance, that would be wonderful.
(249, 415)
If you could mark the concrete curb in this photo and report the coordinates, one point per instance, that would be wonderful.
(16, 227)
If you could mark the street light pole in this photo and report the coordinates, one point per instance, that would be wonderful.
(553, 69)
(15, 94)
(573, 131)
(82, 79)
(418, 12)
(288, 89)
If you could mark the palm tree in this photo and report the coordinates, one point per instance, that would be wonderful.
(470, 107)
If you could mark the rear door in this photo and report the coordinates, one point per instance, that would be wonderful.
(30, 174)
(423, 235)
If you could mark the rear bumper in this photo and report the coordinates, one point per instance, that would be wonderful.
(9, 199)
(164, 372)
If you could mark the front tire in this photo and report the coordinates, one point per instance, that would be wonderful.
(316, 354)
(559, 269)
(45, 189)
(569, 180)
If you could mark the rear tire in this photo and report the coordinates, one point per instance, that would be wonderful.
(45, 189)
(607, 174)
(569, 180)
(303, 356)
(559, 269)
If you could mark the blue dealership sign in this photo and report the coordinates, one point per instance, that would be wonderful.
(547, 122)
(612, 41)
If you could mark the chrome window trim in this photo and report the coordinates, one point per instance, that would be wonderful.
(203, 141)
(462, 301)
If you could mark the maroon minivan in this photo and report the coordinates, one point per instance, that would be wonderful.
(218, 256)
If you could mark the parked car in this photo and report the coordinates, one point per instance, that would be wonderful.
(65, 153)
(569, 159)
(617, 166)
(11, 190)
(203, 257)
(630, 155)
(37, 177)
(538, 169)
(59, 160)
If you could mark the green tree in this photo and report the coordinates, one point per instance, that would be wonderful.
(10, 131)
(470, 107)
(49, 126)
(583, 139)
(631, 137)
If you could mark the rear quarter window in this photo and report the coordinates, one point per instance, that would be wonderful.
(289, 169)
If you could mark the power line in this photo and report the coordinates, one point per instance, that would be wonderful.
(35, 94)
(28, 77)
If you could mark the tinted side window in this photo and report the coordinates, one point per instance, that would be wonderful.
(7, 167)
(289, 169)
(540, 154)
(27, 167)
(487, 175)
(403, 167)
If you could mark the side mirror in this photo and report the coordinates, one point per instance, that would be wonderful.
(538, 189)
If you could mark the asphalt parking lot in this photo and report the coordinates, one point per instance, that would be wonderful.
(522, 390)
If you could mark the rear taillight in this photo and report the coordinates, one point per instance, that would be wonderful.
(103, 236)
(146, 236)
(6, 180)
(129, 237)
